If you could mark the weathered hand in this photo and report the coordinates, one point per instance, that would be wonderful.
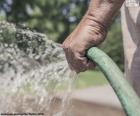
(87, 34)
(90, 32)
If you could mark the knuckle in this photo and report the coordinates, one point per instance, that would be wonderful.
(99, 38)
(65, 46)
(71, 46)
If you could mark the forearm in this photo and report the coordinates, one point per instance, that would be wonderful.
(103, 11)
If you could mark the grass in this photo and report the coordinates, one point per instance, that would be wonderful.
(90, 78)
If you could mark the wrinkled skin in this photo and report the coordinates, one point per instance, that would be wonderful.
(86, 35)
(91, 31)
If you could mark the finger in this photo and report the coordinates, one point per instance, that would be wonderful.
(85, 64)
(81, 64)
(91, 65)
(68, 56)
(78, 70)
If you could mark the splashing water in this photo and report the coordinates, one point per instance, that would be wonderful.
(33, 71)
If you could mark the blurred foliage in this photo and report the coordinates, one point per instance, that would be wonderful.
(57, 18)
(113, 45)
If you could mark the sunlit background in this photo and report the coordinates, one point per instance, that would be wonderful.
(57, 19)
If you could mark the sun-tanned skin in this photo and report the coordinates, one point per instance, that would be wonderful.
(91, 31)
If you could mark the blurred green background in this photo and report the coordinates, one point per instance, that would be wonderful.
(57, 19)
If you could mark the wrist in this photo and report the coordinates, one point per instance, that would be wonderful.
(100, 17)
(104, 11)
(97, 25)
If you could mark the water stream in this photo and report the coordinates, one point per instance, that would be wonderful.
(34, 75)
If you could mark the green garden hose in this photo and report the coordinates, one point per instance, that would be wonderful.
(124, 91)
